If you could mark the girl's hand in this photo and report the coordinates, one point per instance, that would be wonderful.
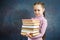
(26, 34)
(29, 35)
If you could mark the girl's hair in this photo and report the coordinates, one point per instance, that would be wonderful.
(42, 4)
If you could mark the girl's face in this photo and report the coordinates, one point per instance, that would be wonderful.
(38, 10)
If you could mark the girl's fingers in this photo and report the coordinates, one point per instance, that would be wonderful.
(30, 36)
(27, 34)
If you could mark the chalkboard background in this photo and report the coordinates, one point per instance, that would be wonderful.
(12, 11)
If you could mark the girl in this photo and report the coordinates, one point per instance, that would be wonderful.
(39, 11)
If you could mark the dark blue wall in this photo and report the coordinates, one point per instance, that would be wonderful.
(12, 11)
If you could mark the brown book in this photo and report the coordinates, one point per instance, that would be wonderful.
(31, 24)
(23, 33)
(29, 21)
(31, 29)
(32, 34)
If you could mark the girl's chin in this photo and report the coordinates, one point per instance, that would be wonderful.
(37, 15)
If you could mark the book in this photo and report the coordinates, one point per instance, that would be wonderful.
(30, 20)
(30, 26)
(31, 29)
(34, 30)
(32, 34)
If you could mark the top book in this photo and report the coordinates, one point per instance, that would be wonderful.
(31, 22)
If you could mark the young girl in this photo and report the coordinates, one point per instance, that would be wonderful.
(39, 11)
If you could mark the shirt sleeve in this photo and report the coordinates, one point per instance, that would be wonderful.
(43, 29)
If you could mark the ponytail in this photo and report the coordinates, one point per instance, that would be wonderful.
(44, 13)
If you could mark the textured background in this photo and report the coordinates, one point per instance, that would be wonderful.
(12, 11)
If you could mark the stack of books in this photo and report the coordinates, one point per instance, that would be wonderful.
(30, 26)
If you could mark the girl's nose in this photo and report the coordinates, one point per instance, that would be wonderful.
(36, 12)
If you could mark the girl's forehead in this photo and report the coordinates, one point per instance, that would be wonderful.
(37, 6)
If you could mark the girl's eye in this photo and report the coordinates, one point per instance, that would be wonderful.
(34, 10)
(38, 10)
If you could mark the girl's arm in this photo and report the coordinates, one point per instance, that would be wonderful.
(43, 29)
